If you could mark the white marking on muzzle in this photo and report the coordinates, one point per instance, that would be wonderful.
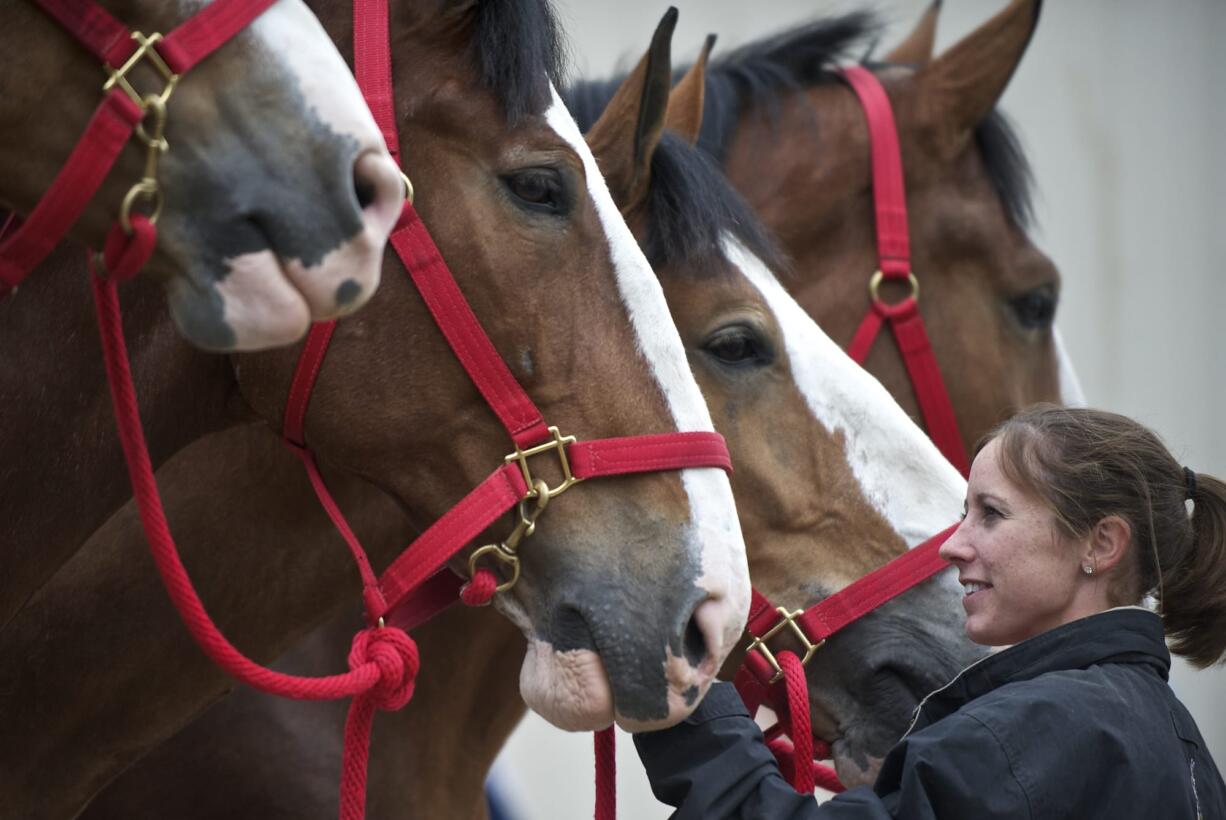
(900, 471)
(714, 528)
(301, 46)
(1071, 394)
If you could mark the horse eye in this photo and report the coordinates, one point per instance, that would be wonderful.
(539, 189)
(1036, 309)
(738, 346)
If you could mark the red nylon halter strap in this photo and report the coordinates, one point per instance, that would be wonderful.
(894, 261)
(505, 487)
(110, 127)
(782, 687)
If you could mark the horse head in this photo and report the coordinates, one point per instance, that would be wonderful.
(987, 294)
(633, 589)
(832, 478)
(276, 192)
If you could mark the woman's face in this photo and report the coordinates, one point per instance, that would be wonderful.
(1019, 574)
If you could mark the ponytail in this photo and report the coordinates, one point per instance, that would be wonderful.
(1194, 599)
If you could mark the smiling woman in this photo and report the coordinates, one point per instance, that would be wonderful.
(1073, 517)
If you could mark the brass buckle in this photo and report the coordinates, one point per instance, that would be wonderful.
(874, 285)
(506, 551)
(789, 620)
(534, 486)
(147, 189)
(146, 50)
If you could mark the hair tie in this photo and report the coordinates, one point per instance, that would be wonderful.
(1189, 477)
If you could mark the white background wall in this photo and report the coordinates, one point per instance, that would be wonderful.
(1122, 109)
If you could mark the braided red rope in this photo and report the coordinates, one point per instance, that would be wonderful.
(606, 773)
(383, 661)
(480, 588)
(801, 731)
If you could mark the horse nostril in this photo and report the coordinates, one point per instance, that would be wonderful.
(379, 189)
(694, 643)
(364, 188)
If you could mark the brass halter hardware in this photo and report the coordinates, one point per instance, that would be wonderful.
(558, 443)
(530, 508)
(154, 107)
(408, 187)
(874, 283)
(788, 622)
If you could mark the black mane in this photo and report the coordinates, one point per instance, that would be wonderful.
(519, 49)
(761, 73)
(692, 206)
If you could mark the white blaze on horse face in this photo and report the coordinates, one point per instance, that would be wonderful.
(900, 471)
(346, 277)
(713, 534)
(1071, 394)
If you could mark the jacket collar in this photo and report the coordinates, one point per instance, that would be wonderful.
(1121, 635)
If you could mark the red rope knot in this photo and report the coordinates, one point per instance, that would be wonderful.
(395, 654)
(480, 589)
(125, 254)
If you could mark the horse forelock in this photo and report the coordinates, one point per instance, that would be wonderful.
(520, 52)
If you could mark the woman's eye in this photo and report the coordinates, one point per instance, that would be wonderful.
(539, 189)
(737, 346)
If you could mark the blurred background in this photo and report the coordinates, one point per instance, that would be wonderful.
(1120, 108)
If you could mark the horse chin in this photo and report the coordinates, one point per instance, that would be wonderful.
(569, 689)
(854, 767)
(254, 307)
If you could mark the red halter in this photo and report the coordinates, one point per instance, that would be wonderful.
(383, 661)
(779, 680)
(122, 111)
(894, 259)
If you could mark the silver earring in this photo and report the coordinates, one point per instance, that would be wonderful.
(1087, 569)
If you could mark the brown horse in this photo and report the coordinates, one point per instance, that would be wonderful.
(279, 192)
(792, 138)
(634, 589)
(989, 295)
(832, 480)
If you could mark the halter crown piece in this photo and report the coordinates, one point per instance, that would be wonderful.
(383, 660)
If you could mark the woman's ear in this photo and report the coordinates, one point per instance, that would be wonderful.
(1108, 543)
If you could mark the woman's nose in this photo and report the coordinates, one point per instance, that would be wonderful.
(957, 548)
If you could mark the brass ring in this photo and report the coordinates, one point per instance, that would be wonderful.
(875, 282)
(505, 557)
(148, 189)
(408, 187)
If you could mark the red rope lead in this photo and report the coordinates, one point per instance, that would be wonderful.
(606, 774)
(800, 729)
(383, 662)
(479, 590)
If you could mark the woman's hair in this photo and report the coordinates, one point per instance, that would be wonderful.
(1088, 464)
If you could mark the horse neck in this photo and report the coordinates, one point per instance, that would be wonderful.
(56, 423)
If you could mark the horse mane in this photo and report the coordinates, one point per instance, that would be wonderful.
(519, 49)
(691, 206)
(761, 73)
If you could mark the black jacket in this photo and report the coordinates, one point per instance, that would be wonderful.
(1078, 722)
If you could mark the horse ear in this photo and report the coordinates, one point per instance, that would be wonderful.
(916, 49)
(954, 92)
(625, 137)
(685, 103)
